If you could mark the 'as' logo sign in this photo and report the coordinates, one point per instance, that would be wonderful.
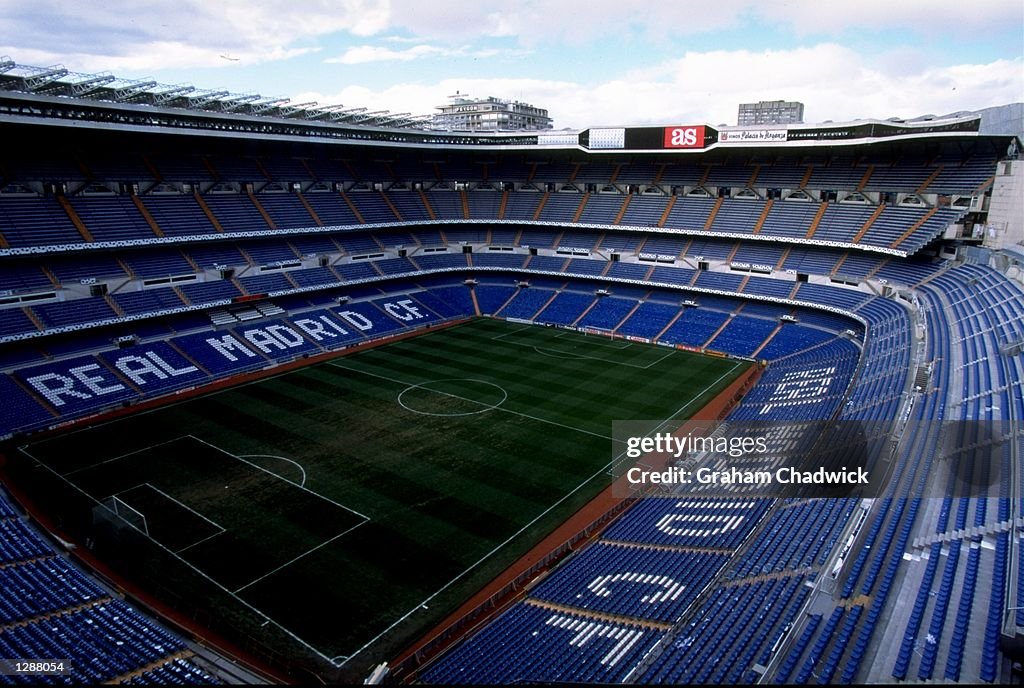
(684, 137)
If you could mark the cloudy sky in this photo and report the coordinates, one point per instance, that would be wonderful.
(593, 62)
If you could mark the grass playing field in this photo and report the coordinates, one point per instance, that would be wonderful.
(355, 502)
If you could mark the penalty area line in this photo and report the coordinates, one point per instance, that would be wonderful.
(281, 458)
(509, 334)
(199, 542)
(220, 529)
(199, 571)
(116, 458)
(568, 355)
(269, 472)
(181, 504)
(295, 559)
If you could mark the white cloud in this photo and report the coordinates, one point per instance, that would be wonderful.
(155, 34)
(536, 22)
(364, 54)
(834, 83)
(923, 16)
(285, 21)
(102, 34)
(157, 55)
(150, 34)
(572, 21)
(361, 54)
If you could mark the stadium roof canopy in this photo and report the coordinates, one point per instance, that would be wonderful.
(58, 97)
(56, 80)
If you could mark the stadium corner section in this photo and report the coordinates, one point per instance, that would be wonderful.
(274, 668)
(580, 529)
(138, 596)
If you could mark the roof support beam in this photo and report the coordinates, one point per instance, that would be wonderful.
(262, 106)
(57, 80)
(321, 112)
(290, 110)
(44, 77)
(229, 104)
(392, 118)
(132, 90)
(173, 93)
(408, 120)
(80, 88)
(345, 114)
(369, 115)
(205, 98)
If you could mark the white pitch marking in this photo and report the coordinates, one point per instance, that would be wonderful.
(305, 489)
(423, 385)
(498, 408)
(282, 458)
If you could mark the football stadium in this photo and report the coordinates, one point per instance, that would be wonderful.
(308, 394)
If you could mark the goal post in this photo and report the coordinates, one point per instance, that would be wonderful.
(126, 513)
(597, 331)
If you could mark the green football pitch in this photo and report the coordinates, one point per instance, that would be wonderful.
(353, 503)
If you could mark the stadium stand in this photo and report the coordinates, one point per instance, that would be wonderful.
(167, 269)
(52, 609)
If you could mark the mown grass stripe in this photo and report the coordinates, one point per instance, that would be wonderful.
(441, 492)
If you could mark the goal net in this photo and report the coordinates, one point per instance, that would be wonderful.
(597, 331)
(127, 513)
